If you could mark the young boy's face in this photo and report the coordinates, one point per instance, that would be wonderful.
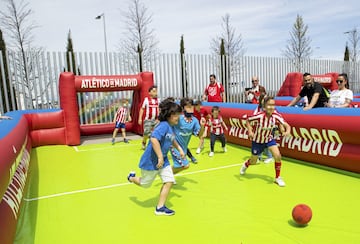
(189, 108)
(269, 106)
(153, 93)
(174, 119)
(215, 113)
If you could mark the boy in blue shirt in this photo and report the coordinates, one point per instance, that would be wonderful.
(188, 125)
(154, 161)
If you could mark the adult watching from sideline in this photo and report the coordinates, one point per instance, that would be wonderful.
(314, 92)
(214, 92)
(343, 96)
(253, 94)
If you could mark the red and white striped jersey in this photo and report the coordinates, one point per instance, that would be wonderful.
(121, 115)
(215, 125)
(264, 126)
(151, 106)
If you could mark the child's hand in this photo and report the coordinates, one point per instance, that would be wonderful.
(160, 163)
(251, 135)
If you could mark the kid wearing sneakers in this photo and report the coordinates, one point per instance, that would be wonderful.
(260, 127)
(188, 125)
(216, 127)
(154, 160)
(122, 115)
(150, 106)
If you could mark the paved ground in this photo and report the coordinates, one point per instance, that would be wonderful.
(96, 139)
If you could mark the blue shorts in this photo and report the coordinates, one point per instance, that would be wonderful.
(120, 125)
(178, 161)
(258, 148)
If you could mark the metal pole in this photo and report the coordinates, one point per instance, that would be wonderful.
(106, 52)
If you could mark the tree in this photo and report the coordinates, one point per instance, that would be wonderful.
(346, 66)
(139, 41)
(16, 20)
(230, 47)
(354, 39)
(184, 80)
(5, 90)
(298, 46)
(70, 56)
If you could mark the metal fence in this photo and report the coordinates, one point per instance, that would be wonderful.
(36, 85)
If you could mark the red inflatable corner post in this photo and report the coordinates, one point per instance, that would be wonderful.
(69, 104)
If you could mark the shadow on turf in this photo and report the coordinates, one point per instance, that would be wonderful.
(151, 202)
(249, 176)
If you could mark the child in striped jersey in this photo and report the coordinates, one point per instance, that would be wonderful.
(122, 115)
(260, 127)
(216, 126)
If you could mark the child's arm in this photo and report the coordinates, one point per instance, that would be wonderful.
(177, 146)
(157, 149)
(141, 112)
(250, 130)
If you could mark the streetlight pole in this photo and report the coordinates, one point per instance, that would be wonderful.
(106, 52)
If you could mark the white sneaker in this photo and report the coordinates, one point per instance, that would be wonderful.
(198, 150)
(268, 160)
(243, 169)
(224, 149)
(211, 154)
(279, 181)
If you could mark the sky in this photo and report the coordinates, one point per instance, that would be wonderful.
(264, 25)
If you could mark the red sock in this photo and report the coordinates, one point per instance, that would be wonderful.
(247, 163)
(277, 169)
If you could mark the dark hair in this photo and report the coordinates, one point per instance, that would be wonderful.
(152, 87)
(165, 101)
(346, 78)
(212, 75)
(215, 108)
(197, 102)
(267, 99)
(186, 101)
(306, 74)
(168, 108)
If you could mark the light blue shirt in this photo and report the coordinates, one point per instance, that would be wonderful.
(184, 129)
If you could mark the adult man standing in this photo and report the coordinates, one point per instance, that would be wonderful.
(253, 94)
(214, 92)
(314, 92)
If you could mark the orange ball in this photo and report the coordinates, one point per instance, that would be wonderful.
(302, 214)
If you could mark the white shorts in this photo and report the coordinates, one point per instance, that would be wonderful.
(148, 176)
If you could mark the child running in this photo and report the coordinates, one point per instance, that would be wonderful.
(202, 115)
(260, 127)
(188, 125)
(154, 160)
(216, 126)
(122, 115)
(150, 106)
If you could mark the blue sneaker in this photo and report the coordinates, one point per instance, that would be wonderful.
(131, 174)
(164, 211)
(126, 140)
(113, 141)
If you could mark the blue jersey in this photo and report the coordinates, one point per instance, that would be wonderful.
(184, 129)
(164, 133)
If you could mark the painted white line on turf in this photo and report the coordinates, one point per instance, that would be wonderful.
(102, 148)
(75, 192)
(121, 184)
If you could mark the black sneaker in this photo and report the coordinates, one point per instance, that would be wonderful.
(164, 211)
(194, 160)
(126, 140)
